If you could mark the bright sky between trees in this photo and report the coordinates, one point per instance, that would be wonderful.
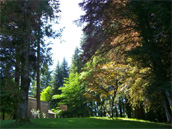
(71, 35)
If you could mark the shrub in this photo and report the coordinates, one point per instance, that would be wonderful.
(38, 114)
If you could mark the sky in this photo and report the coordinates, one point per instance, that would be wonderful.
(71, 35)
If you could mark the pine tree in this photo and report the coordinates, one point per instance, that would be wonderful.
(58, 78)
(61, 72)
(65, 69)
(76, 62)
(71, 93)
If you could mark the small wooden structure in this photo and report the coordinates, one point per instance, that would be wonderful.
(63, 107)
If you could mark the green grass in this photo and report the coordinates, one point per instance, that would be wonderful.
(96, 123)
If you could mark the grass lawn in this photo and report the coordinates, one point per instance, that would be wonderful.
(96, 123)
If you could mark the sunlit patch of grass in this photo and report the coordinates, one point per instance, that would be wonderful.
(102, 118)
(133, 119)
(122, 118)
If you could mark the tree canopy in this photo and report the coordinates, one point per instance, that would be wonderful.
(23, 26)
(123, 67)
(134, 34)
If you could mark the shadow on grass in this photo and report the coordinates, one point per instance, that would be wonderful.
(87, 123)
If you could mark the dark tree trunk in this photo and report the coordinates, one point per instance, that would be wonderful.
(91, 111)
(22, 116)
(111, 114)
(3, 115)
(96, 108)
(38, 75)
(104, 112)
(116, 111)
(128, 109)
(113, 98)
(120, 107)
(101, 111)
(22, 112)
(139, 114)
(17, 80)
(166, 107)
(169, 97)
(123, 106)
(136, 113)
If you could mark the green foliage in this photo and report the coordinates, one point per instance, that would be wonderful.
(59, 113)
(8, 95)
(137, 29)
(76, 62)
(60, 73)
(45, 77)
(128, 42)
(65, 69)
(72, 96)
(23, 26)
(32, 91)
(153, 23)
(71, 86)
(46, 94)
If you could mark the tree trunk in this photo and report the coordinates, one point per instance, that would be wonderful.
(166, 107)
(17, 80)
(139, 114)
(91, 111)
(123, 106)
(38, 74)
(3, 115)
(120, 107)
(96, 108)
(22, 112)
(128, 108)
(169, 98)
(114, 94)
(22, 116)
(116, 111)
(111, 114)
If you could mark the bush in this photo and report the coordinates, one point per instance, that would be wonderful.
(38, 114)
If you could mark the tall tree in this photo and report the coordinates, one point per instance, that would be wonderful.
(61, 72)
(42, 11)
(25, 81)
(72, 96)
(72, 90)
(20, 30)
(152, 23)
(65, 69)
(57, 78)
(140, 30)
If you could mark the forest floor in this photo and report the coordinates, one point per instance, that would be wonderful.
(86, 123)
